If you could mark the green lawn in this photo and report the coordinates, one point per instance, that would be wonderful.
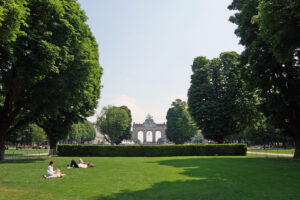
(286, 151)
(12, 152)
(119, 178)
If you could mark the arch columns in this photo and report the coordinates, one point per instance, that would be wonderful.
(153, 136)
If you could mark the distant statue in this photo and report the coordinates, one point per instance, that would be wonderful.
(149, 121)
(149, 117)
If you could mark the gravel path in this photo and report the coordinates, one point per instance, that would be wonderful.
(271, 154)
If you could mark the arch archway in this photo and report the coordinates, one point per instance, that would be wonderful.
(149, 136)
(157, 135)
(140, 136)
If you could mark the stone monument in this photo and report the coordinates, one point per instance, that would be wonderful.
(149, 132)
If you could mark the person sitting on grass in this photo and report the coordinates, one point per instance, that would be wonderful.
(53, 174)
(80, 165)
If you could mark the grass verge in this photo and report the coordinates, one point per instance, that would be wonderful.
(120, 178)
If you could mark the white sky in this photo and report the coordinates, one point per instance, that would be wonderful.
(147, 48)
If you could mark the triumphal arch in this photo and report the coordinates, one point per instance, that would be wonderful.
(149, 132)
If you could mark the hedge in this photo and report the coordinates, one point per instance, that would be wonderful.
(152, 150)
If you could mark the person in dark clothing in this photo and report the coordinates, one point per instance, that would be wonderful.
(73, 164)
(80, 165)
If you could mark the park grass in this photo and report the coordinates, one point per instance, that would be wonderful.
(14, 152)
(279, 150)
(120, 178)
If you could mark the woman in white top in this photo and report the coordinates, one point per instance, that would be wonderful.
(51, 173)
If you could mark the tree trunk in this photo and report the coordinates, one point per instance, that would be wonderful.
(53, 144)
(2, 147)
(297, 147)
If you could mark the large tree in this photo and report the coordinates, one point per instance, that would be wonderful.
(269, 30)
(113, 123)
(217, 98)
(180, 126)
(50, 74)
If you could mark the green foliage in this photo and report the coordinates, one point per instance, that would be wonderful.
(217, 99)
(159, 141)
(38, 134)
(128, 132)
(31, 134)
(180, 126)
(22, 137)
(152, 150)
(279, 25)
(269, 30)
(82, 132)
(51, 73)
(115, 123)
(198, 141)
(13, 14)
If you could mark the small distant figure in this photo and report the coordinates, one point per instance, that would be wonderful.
(80, 165)
(53, 174)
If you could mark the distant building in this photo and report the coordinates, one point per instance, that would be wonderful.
(149, 132)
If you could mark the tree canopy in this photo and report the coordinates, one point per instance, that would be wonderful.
(180, 126)
(51, 73)
(82, 132)
(217, 98)
(114, 123)
(269, 30)
(28, 135)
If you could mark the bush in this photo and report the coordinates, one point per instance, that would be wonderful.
(152, 150)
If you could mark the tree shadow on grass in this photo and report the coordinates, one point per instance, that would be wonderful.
(222, 178)
(23, 160)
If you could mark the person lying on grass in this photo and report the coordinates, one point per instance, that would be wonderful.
(80, 165)
(53, 174)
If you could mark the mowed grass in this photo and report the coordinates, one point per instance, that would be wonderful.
(119, 178)
(13, 152)
(285, 151)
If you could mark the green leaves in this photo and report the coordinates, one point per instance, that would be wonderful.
(279, 24)
(81, 132)
(51, 73)
(13, 15)
(217, 99)
(115, 123)
(271, 58)
(180, 127)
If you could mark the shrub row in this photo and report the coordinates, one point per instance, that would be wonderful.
(153, 150)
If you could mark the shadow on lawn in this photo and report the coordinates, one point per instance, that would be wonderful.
(23, 160)
(223, 178)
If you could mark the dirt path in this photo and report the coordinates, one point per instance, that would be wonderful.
(271, 154)
(37, 154)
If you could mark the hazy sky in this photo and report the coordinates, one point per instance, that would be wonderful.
(147, 48)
